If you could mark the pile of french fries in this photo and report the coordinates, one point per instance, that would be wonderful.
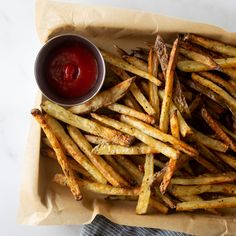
(162, 132)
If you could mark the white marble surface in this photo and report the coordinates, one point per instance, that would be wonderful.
(18, 48)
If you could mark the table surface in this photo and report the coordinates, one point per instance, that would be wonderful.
(18, 47)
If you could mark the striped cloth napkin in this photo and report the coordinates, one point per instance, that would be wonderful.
(103, 227)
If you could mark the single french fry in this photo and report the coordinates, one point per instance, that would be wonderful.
(119, 169)
(158, 205)
(131, 112)
(98, 187)
(153, 89)
(201, 58)
(207, 204)
(174, 125)
(107, 171)
(130, 167)
(73, 150)
(137, 62)
(208, 141)
(217, 129)
(111, 149)
(162, 53)
(103, 99)
(116, 61)
(145, 189)
(208, 188)
(49, 152)
(165, 107)
(209, 179)
(228, 159)
(85, 124)
(211, 44)
(156, 133)
(136, 92)
(219, 81)
(193, 66)
(162, 147)
(70, 175)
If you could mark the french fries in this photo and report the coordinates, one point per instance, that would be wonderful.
(163, 148)
(111, 176)
(114, 60)
(167, 130)
(85, 124)
(70, 175)
(165, 107)
(104, 98)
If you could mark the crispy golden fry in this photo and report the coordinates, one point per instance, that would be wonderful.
(145, 88)
(131, 112)
(130, 101)
(172, 164)
(73, 150)
(217, 129)
(98, 187)
(211, 44)
(179, 98)
(145, 189)
(153, 89)
(70, 175)
(85, 124)
(48, 152)
(111, 149)
(165, 198)
(119, 169)
(228, 159)
(219, 81)
(184, 127)
(210, 204)
(208, 188)
(116, 61)
(130, 167)
(137, 62)
(193, 66)
(163, 148)
(162, 53)
(208, 141)
(121, 52)
(111, 176)
(203, 59)
(209, 179)
(95, 139)
(136, 92)
(165, 107)
(156, 133)
(103, 99)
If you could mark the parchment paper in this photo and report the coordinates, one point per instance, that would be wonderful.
(44, 203)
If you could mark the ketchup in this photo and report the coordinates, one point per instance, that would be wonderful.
(71, 70)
